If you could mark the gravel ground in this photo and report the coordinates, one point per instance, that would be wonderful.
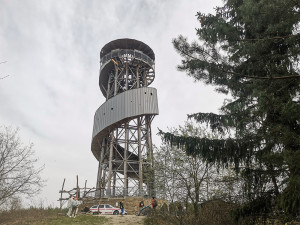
(124, 220)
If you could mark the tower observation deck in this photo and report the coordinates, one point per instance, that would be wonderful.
(122, 141)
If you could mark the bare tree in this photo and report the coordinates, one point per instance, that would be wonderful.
(182, 177)
(168, 185)
(6, 75)
(19, 174)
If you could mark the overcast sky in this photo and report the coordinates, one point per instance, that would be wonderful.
(52, 52)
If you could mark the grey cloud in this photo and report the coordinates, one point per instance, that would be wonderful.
(52, 48)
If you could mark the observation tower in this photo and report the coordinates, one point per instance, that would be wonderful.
(122, 141)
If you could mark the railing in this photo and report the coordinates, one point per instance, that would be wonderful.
(128, 53)
(121, 192)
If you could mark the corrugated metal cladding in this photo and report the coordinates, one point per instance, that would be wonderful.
(141, 101)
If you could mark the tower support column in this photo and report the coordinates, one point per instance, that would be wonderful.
(100, 165)
(141, 176)
(125, 161)
(111, 144)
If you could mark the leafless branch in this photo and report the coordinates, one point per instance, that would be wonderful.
(18, 172)
(4, 77)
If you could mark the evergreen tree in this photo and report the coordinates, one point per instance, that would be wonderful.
(249, 49)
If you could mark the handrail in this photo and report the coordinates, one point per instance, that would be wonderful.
(129, 53)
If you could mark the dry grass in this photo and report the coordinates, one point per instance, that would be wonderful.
(35, 216)
(214, 212)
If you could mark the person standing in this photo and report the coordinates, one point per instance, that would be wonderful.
(154, 203)
(75, 205)
(121, 207)
(180, 209)
(70, 205)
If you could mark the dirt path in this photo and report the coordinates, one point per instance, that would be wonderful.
(124, 220)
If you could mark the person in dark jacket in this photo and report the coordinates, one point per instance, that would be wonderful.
(122, 208)
(141, 204)
(154, 203)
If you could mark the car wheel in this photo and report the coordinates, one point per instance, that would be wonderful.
(116, 212)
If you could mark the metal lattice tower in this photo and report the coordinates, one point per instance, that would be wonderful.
(122, 141)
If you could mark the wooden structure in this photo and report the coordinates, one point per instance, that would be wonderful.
(86, 195)
(122, 141)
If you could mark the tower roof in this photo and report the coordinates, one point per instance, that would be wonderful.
(126, 43)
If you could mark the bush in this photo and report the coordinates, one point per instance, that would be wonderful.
(214, 212)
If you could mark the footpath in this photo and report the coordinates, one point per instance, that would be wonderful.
(124, 220)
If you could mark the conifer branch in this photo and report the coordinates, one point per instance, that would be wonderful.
(243, 75)
(268, 38)
(263, 78)
(281, 77)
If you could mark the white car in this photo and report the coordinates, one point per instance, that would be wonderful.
(106, 209)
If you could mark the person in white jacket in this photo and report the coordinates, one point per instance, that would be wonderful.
(75, 205)
(70, 205)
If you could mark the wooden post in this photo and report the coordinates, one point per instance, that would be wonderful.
(108, 88)
(62, 189)
(140, 158)
(104, 181)
(99, 201)
(114, 183)
(150, 154)
(101, 155)
(84, 193)
(137, 76)
(126, 78)
(77, 188)
(116, 81)
(111, 148)
(125, 160)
